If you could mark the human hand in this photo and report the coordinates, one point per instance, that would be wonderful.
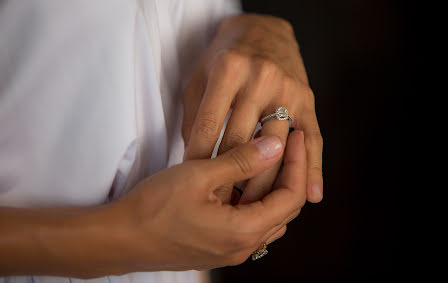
(254, 66)
(182, 225)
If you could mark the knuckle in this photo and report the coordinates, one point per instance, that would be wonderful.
(321, 140)
(316, 170)
(208, 125)
(241, 161)
(289, 85)
(282, 231)
(285, 24)
(264, 67)
(233, 140)
(230, 61)
(307, 96)
(308, 91)
(304, 89)
(198, 174)
(316, 138)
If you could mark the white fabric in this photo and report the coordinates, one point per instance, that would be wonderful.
(90, 99)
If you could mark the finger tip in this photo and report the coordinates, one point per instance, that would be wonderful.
(297, 137)
(313, 199)
(315, 193)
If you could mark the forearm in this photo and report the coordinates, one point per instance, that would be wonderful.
(77, 242)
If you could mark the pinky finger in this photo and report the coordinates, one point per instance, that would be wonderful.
(314, 148)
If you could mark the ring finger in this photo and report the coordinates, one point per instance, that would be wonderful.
(261, 185)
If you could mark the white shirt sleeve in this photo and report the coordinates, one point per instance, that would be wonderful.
(90, 96)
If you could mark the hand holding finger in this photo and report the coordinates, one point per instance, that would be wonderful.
(178, 210)
(271, 214)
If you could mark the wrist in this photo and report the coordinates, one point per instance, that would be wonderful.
(81, 242)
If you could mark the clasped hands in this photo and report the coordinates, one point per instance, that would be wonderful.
(253, 66)
(181, 218)
(184, 212)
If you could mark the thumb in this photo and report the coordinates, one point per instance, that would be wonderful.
(246, 161)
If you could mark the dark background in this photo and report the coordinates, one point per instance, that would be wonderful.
(356, 55)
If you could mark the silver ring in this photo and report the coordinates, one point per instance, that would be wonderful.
(281, 113)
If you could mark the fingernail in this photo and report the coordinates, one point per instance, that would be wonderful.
(317, 191)
(269, 146)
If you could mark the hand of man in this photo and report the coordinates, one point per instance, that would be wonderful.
(253, 66)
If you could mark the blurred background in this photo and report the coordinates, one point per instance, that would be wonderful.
(355, 53)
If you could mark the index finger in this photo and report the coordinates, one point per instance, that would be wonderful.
(223, 84)
(274, 208)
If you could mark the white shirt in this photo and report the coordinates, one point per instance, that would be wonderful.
(90, 99)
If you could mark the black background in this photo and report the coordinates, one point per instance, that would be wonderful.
(355, 53)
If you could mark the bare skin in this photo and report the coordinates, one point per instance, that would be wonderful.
(253, 66)
(170, 221)
(175, 219)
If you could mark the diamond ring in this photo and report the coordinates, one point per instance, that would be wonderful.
(281, 113)
(260, 252)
